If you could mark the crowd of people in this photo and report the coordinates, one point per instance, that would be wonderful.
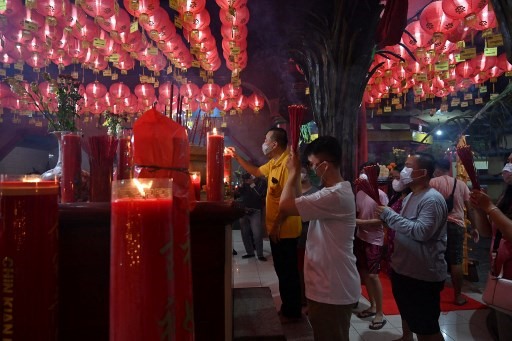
(328, 241)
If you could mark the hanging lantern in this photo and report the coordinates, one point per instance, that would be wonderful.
(165, 90)
(234, 33)
(226, 4)
(51, 9)
(210, 90)
(144, 91)
(37, 61)
(119, 22)
(137, 8)
(72, 15)
(99, 9)
(198, 21)
(482, 62)
(153, 21)
(436, 22)
(189, 90)
(420, 38)
(461, 9)
(188, 7)
(224, 104)
(231, 91)
(119, 90)
(240, 103)
(96, 90)
(503, 63)
(484, 20)
(19, 20)
(5, 90)
(207, 106)
(47, 89)
(256, 102)
(236, 17)
(465, 69)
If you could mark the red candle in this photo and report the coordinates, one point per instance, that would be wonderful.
(142, 294)
(195, 177)
(125, 157)
(227, 168)
(71, 180)
(214, 166)
(28, 259)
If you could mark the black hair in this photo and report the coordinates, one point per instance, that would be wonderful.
(443, 164)
(326, 147)
(279, 135)
(426, 161)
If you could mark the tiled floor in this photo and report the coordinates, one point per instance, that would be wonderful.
(456, 325)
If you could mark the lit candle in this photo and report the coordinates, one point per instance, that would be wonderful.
(142, 290)
(71, 179)
(214, 166)
(227, 166)
(28, 259)
(125, 156)
(196, 183)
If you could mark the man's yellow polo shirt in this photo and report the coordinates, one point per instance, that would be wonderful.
(277, 175)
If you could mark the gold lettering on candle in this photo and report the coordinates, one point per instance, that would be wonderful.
(168, 321)
(7, 298)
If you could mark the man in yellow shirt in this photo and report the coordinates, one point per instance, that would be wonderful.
(283, 238)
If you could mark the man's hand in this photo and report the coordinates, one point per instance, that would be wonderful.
(274, 232)
(379, 210)
(232, 152)
(293, 164)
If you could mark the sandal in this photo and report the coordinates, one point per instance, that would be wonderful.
(377, 325)
(365, 313)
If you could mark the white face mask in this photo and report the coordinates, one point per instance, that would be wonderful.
(398, 186)
(265, 148)
(363, 176)
(507, 168)
(507, 173)
(303, 176)
(405, 176)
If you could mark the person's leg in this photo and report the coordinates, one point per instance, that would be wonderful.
(454, 252)
(284, 254)
(257, 232)
(329, 322)
(375, 288)
(245, 228)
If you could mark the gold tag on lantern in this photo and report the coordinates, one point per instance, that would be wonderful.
(156, 83)
(38, 123)
(177, 22)
(493, 96)
(98, 42)
(235, 50)
(468, 96)
(196, 63)
(232, 112)
(173, 4)
(421, 77)
(115, 76)
(124, 72)
(379, 111)
(152, 51)
(74, 75)
(442, 66)
(30, 26)
(495, 40)
(464, 104)
(468, 53)
(461, 44)
(479, 100)
(444, 107)
(143, 79)
(458, 58)
(493, 79)
(417, 99)
(188, 17)
(398, 106)
(491, 51)
(395, 100)
(134, 26)
(223, 124)
(194, 50)
(508, 74)
(487, 33)
(3, 72)
(107, 72)
(18, 77)
(18, 66)
(114, 58)
(483, 89)
(307, 92)
(455, 102)
(385, 96)
(222, 113)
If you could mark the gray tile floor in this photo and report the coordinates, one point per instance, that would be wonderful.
(459, 325)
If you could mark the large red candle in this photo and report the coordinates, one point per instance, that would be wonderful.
(71, 180)
(125, 156)
(142, 294)
(195, 177)
(214, 166)
(28, 260)
(227, 168)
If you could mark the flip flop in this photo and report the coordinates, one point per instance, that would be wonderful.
(377, 325)
(365, 313)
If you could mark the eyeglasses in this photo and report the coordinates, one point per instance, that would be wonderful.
(314, 167)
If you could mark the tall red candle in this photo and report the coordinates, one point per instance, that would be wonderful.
(142, 293)
(214, 166)
(71, 180)
(227, 168)
(28, 259)
(195, 177)
(125, 156)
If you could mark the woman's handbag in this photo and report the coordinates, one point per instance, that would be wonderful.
(498, 290)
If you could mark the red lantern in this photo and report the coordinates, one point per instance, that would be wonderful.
(166, 89)
(460, 9)
(191, 6)
(99, 9)
(240, 103)
(482, 62)
(231, 3)
(231, 91)
(97, 107)
(234, 17)
(119, 22)
(464, 69)
(503, 63)
(420, 37)
(156, 63)
(96, 90)
(141, 7)
(71, 15)
(119, 90)
(207, 106)
(256, 102)
(224, 104)
(144, 91)
(86, 32)
(234, 33)
(20, 19)
(199, 21)
(11, 7)
(484, 20)
(37, 61)
(5, 90)
(153, 21)
(210, 90)
(435, 21)
(189, 90)
(130, 101)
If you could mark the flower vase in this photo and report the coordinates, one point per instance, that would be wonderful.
(56, 172)
(71, 155)
(102, 150)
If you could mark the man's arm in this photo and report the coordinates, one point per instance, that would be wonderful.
(249, 167)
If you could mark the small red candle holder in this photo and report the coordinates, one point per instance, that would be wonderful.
(215, 166)
(195, 177)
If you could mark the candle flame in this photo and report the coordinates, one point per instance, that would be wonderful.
(142, 187)
(31, 178)
(214, 131)
(194, 176)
